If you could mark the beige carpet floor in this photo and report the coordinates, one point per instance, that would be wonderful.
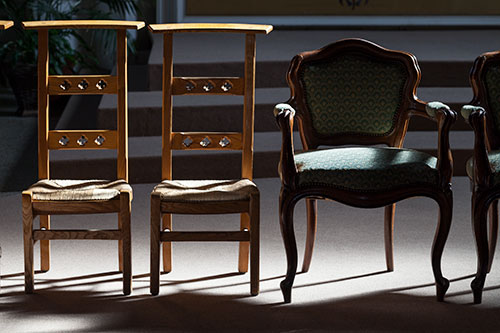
(346, 289)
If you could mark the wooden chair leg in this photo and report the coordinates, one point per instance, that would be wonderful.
(389, 236)
(244, 247)
(493, 232)
(44, 244)
(120, 246)
(312, 211)
(254, 245)
(444, 223)
(29, 270)
(167, 246)
(124, 218)
(479, 225)
(155, 246)
(287, 232)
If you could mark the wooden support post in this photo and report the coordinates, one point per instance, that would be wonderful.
(29, 270)
(166, 155)
(43, 104)
(122, 116)
(155, 245)
(249, 106)
(247, 152)
(45, 244)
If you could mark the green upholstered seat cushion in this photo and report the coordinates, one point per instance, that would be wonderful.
(366, 168)
(353, 94)
(494, 158)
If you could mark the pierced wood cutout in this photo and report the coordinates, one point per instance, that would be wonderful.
(95, 139)
(213, 141)
(82, 84)
(208, 85)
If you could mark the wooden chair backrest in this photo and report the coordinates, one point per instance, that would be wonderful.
(82, 85)
(244, 86)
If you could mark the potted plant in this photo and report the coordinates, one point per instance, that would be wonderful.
(70, 50)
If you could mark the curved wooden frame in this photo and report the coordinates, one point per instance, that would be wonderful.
(47, 140)
(291, 193)
(485, 193)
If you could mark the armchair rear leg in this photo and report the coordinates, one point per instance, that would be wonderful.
(45, 244)
(493, 232)
(287, 232)
(28, 243)
(389, 236)
(244, 247)
(479, 225)
(445, 213)
(312, 211)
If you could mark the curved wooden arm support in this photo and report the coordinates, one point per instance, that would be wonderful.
(482, 169)
(4, 25)
(284, 115)
(211, 27)
(445, 117)
(84, 24)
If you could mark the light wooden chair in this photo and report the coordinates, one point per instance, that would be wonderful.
(57, 197)
(207, 197)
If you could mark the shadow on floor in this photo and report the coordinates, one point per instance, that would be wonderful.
(200, 310)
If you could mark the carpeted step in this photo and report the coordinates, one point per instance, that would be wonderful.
(445, 56)
(219, 113)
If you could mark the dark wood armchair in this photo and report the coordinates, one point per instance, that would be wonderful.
(483, 114)
(356, 93)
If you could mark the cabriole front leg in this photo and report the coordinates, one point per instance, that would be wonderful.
(287, 205)
(445, 202)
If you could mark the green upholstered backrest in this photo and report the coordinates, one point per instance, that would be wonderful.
(492, 82)
(353, 94)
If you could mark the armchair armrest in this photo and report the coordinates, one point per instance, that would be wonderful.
(284, 115)
(445, 117)
(475, 116)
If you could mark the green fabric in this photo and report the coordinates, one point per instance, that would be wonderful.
(468, 109)
(493, 89)
(494, 158)
(353, 94)
(366, 168)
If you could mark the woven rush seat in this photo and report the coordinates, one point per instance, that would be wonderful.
(366, 168)
(78, 190)
(205, 190)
